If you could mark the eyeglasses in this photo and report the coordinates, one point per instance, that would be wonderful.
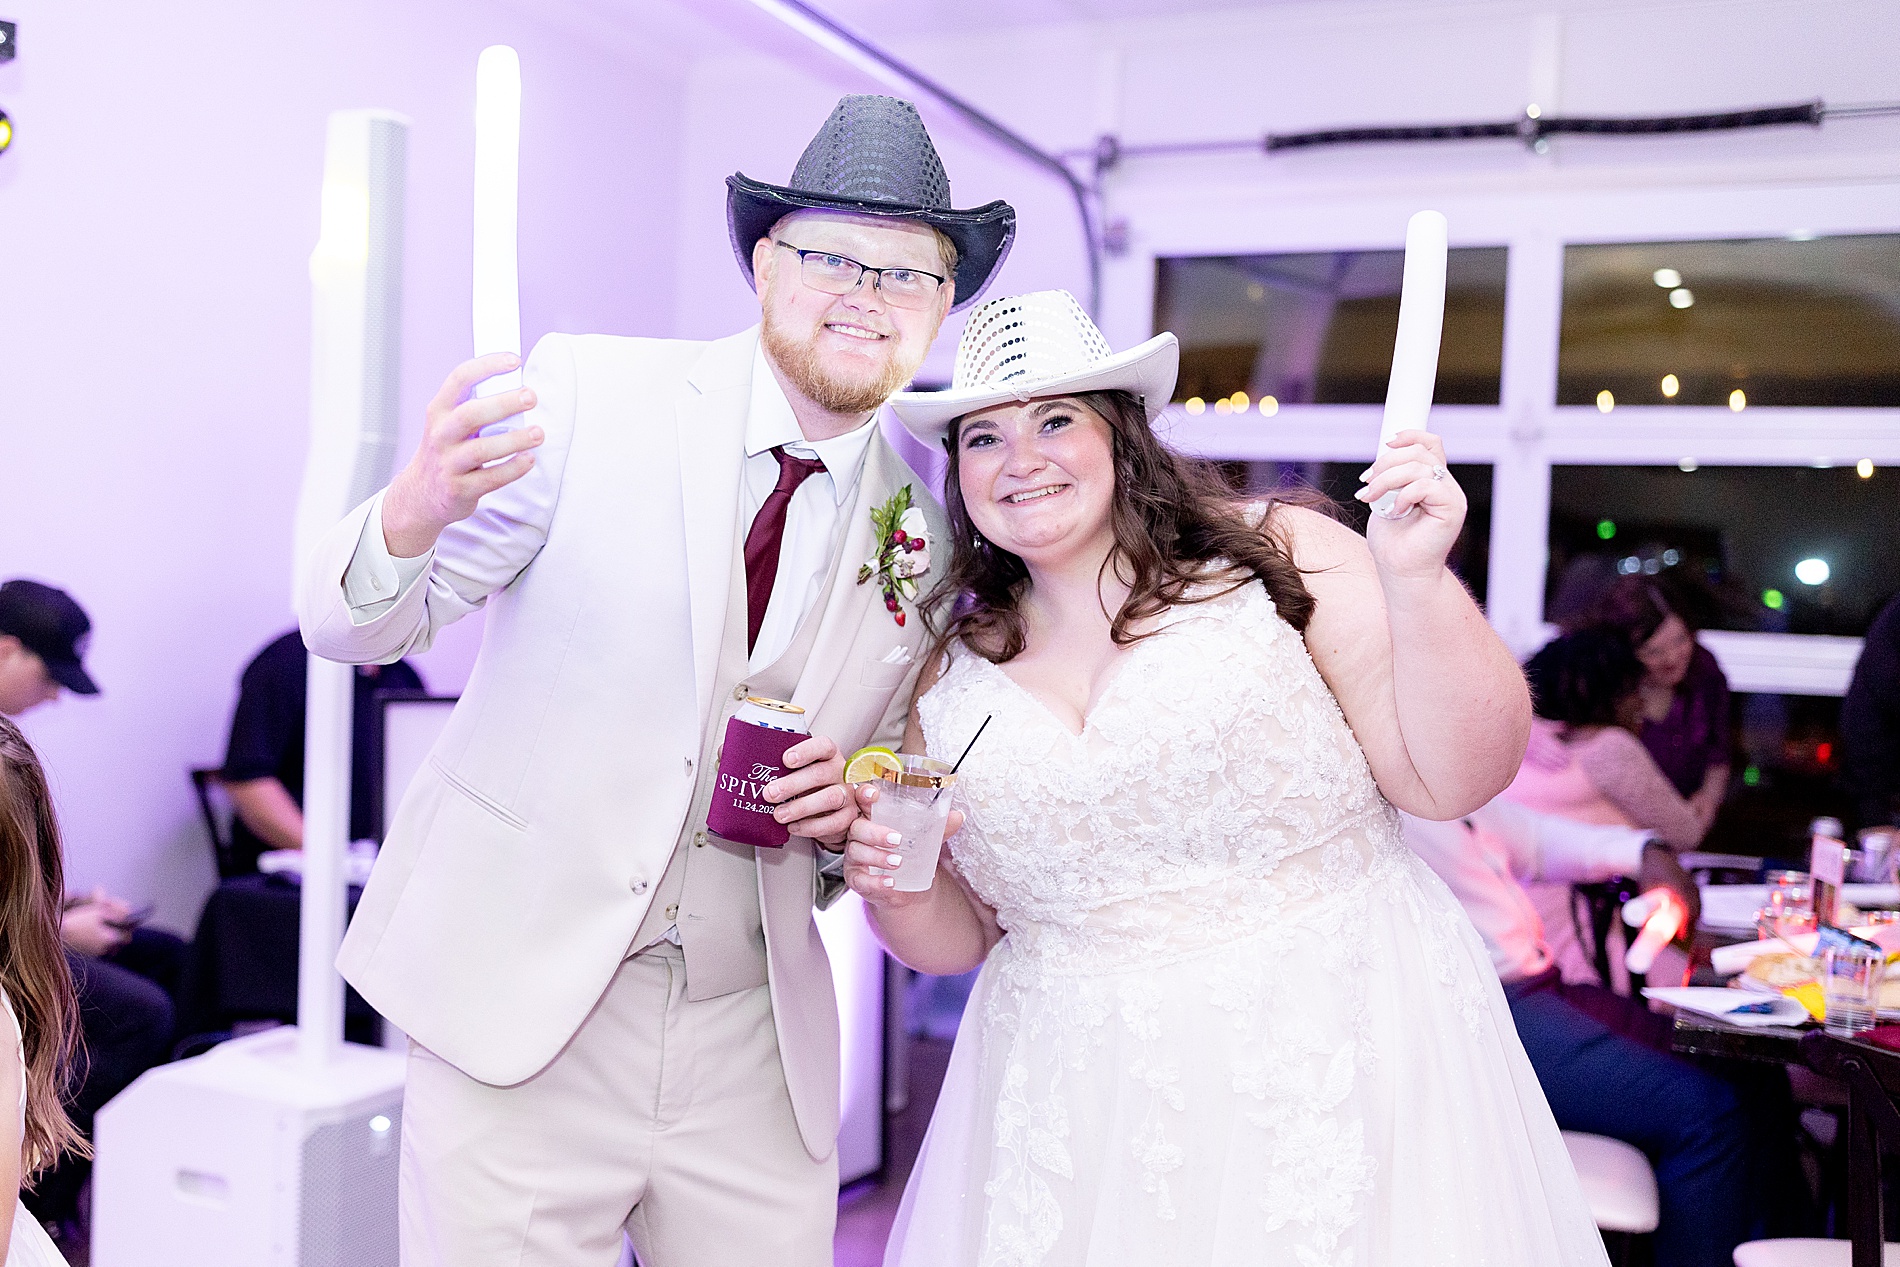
(840, 275)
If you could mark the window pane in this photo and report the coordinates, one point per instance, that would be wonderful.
(1786, 759)
(1318, 328)
(1470, 559)
(1781, 321)
(1787, 549)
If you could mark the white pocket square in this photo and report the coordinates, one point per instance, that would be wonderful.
(896, 655)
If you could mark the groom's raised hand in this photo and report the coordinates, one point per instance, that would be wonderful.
(812, 799)
(450, 472)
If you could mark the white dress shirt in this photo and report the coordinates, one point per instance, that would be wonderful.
(1486, 857)
(375, 579)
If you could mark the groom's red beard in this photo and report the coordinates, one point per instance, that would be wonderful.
(830, 389)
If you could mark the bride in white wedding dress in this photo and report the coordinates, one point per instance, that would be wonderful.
(1225, 1016)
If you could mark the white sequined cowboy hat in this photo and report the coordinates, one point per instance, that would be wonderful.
(1022, 347)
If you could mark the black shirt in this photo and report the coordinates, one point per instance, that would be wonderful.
(267, 734)
(1870, 723)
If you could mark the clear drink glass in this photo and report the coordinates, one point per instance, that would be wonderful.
(915, 803)
(1850, 985)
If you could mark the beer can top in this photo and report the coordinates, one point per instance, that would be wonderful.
(776, 705)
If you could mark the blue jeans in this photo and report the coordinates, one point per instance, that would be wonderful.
(1596, 1055)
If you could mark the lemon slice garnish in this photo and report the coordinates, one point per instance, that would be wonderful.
(866, 762)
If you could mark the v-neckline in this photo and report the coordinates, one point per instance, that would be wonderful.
(1101, 700)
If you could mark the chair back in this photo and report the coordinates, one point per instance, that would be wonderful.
(215, 804)
(1871, 1075)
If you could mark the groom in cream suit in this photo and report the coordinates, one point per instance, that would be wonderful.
(619, 1020)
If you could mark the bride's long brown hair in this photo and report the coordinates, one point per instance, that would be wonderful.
(1181, 536)
(32, 965)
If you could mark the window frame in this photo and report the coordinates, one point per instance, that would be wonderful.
(1534, 216)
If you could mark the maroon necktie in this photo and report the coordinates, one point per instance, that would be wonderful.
(768, 532)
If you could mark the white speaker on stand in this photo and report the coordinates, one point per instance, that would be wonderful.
(280, 1149)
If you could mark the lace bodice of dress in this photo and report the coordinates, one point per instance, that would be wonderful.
(1197, 802)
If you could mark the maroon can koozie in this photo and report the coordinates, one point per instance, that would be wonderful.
(752, 757)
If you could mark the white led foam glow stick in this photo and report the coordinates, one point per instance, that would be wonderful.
(1408, 395)
(497, 290)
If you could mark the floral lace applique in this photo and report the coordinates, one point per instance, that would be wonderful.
(1215, 812)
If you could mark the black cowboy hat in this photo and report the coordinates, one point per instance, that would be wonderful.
(874, 157)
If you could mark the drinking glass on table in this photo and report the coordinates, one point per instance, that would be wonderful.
(1790, 907)
(1850, 987)
(914, 802)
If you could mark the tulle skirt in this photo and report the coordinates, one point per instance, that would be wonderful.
(1342, 1087)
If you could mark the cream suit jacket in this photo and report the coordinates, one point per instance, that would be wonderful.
(521, 860)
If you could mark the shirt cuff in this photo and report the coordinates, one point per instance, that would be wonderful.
(375, 579)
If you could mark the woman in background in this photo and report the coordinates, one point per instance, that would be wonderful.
(36, 995)
(1586, 764)
(1585, 761)
(1684, 716)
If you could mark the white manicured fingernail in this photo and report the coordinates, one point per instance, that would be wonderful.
(893, 839)
(889, 883)
(894, 860)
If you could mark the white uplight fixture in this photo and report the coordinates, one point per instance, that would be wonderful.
(1681, 297)
(1667, 278)
(1812, 571)
(497, 285)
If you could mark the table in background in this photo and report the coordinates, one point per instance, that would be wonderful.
(244, 959)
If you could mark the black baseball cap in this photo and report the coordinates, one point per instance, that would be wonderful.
(53, 627)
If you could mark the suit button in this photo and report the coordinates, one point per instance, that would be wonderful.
(673, 911)
(639, 886)
(699, 840)
(742, 690)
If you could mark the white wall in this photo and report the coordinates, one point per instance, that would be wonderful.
(157, 211)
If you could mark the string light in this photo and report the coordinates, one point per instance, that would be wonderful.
(1864, 468)
(1605, 401)
(1195, 405)
(1667, 278)
(1671, 385)
(1738, 400)
(1269, 406)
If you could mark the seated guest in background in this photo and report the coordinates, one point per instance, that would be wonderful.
(263, 765)
(1585, 761)
(1604, 1059)
(1870, 724)
(1684, 695)
(1586, 764)
(127, 977)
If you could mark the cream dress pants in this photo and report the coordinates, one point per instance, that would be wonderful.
(663, 1117)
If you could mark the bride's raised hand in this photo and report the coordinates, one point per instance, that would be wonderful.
(1412, 467)
(871, 861)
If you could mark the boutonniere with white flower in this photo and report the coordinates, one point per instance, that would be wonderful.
(903, 551)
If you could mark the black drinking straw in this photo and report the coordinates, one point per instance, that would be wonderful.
(966, 752)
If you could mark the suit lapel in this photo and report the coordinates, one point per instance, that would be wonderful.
(711, 419)
(847, 601)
